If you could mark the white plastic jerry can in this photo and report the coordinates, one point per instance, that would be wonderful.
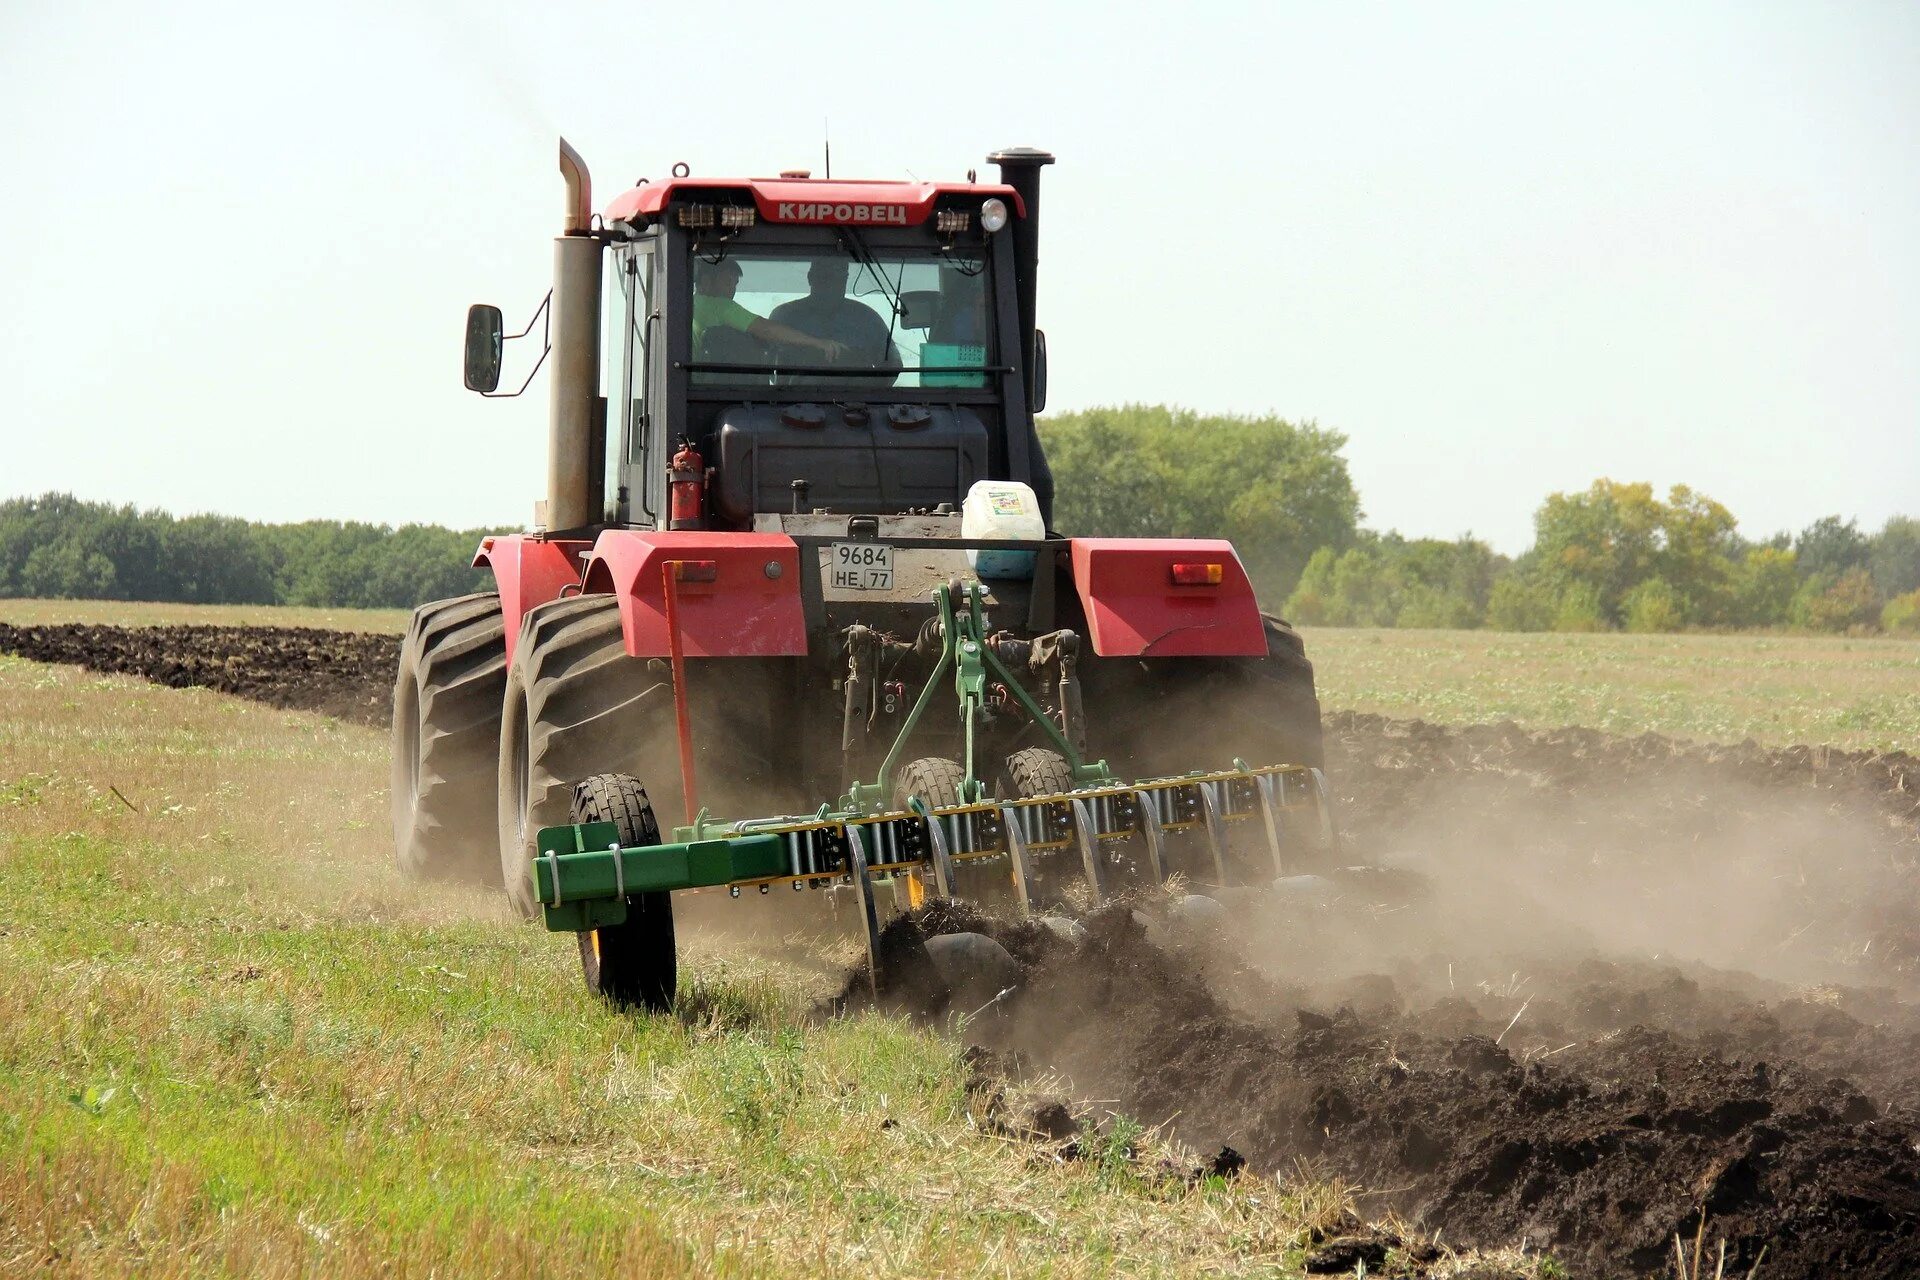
(1001, 509)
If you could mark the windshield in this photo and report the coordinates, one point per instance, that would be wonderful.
(841, 314)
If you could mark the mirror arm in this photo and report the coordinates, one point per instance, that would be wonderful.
(544, 313)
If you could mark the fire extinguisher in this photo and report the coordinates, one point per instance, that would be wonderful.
(686, 487)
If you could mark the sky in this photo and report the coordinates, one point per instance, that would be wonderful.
(1506, 249)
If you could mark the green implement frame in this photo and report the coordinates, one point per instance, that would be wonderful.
(965, 652)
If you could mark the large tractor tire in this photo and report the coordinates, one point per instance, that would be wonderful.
(634, 964)
(575, 705)
(1174, 715)
(446, 733)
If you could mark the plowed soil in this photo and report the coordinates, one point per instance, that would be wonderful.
(346, 674)
(1643, 979)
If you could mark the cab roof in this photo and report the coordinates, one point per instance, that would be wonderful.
(824, 201)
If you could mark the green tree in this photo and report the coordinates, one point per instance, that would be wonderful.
(1520, 602)
(1655, 605)
(1592, 548)
(1894, 557)
(1830, 546)
(1279, 490)
(1901, 617)
(1828, 602)
(1764, 586)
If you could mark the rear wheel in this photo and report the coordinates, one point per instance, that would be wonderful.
(939, 783)
(631, 964)
(575, 705)
(446, 728)
(1173, 715)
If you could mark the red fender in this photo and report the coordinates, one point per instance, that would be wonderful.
(1135, 609)
(529, 571)
(743, 600)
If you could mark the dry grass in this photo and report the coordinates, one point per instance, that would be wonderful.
(233, 1041)
(123, 613)
(1779, 690)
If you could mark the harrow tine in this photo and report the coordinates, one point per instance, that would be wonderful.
(1155, 837)
(1017, 855)
(1089, 848)
(1270, 818)
(869, 917)
(1326, 816)
(1216, 836)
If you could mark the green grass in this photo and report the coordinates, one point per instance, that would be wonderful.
(234, 1042)
(1779, 690)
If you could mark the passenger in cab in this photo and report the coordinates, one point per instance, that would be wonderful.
(714, 284)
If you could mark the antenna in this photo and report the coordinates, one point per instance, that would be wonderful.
(826, 135)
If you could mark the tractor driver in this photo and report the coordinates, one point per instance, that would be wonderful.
(829, 312)
(714, 308)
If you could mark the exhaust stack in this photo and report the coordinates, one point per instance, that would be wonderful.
(1020, 169)
(574, 489)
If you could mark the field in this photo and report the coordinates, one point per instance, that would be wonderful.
(1777, 690)
(233, 1041)
(1608, 984)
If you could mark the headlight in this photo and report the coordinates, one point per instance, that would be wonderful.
(993, 214)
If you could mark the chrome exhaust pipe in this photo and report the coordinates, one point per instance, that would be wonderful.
(574, 493)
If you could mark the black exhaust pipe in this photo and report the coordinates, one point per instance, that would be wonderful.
(1020, 169)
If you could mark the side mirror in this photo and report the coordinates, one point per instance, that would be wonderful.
(919, 308)
(1039, 370)
(485, 339)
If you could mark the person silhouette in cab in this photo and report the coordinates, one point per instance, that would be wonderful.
(716, 316)
(827, 312)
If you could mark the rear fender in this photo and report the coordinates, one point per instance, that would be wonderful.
(750, 608)
(1135, 609)
(529, 571)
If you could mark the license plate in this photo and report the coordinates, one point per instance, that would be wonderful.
(861, 566)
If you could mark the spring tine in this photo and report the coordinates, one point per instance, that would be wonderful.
(869, 918)
(1216, 837)
(1156, 838)
(1089, 848)
(1270, 818)
(1325, 804)
(1017, 855)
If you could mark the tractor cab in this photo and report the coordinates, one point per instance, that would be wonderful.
(853, 347)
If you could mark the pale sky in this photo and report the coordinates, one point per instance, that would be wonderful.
(1505, 248)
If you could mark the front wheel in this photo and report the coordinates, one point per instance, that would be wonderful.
(632, 964)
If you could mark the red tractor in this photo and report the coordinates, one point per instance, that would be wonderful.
(795, 565)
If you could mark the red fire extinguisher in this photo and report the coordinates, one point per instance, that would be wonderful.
(686, 487)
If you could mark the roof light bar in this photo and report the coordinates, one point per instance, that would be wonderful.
(733, 215)
(949, 222)
(696, 217)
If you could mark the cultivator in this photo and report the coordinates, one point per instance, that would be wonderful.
(1196, 826)
(1247, 825)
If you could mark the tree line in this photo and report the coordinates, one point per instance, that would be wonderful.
(1614, 556)
(60, 547)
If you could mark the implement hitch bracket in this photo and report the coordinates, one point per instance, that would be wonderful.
(965, 652)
